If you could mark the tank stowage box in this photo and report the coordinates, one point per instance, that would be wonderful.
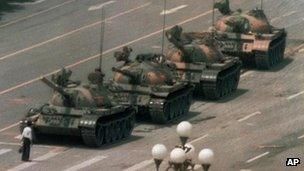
(199, 61)
(152, 86)
(89, 111)
(250, 36)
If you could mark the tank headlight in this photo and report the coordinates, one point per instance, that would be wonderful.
(85, 122)
(151, 102)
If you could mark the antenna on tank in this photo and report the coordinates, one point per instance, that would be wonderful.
(213, 13)
(261, 3)
(164, 24)
(102, 27)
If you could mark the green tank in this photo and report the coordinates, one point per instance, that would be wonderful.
(151, 85)
(199, 61)
(90, 111)
(250, 36)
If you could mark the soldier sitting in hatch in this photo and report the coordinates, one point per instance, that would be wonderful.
(123, 55)
(62, 78)
(98, 89)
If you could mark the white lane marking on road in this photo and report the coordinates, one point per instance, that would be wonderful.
(28, 3)
(5, 150)
(69, 33)
(173, 10)
(295, 95)
(246, 73)
(300, 137)
(35, 14)
(18, 137)
(35, 161)
(108, 51)
(86, 163)
(9, 127)
(145, 163)
(36, 145)
(249, 116)
(96, 7)
(257, 157)
(198, 139)
(139, 166)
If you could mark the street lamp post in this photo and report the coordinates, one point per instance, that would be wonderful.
(181, 156)
(205, 158)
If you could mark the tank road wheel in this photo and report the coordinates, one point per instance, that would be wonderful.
(124, 128)
(107, 133)
(114, 132)
(168, 110)
(236, 79)
(99, 135)
(119, 130)
(262, 61)
(129, 126)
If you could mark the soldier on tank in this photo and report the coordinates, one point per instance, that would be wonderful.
(97, 88)
(26, 141)
(123, 55)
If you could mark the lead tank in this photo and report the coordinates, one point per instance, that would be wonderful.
(199, 61)
(250, 36)
(152, 86)
(90, 111)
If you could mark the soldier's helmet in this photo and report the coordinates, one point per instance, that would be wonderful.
(96, 77)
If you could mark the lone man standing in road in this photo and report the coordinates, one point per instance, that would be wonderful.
(26, 140)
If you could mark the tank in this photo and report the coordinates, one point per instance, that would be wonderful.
(250, 36)
(152, 86)
(199, 61)
(89, 110)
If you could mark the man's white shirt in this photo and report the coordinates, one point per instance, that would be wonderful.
(27, 133)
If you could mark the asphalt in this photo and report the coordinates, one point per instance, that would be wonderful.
(66, 33)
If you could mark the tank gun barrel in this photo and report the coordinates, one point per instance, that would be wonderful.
(124, 72)
(55, 87)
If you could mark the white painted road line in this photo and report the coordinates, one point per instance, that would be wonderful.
(35, 14)
(198, 139)
(300, 137)
(295, 95)
(35, 161)
(96, 7)
(247, 73)
(249, 116)
(97, 55)
(145, 163)
(86, 163)
(5, 150)
(257, 157)
(9, 127)
(173, 10)
(70, 33)
(36, 145)
(140, 166)
(28, 3)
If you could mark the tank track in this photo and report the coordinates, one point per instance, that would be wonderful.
(107, 132)
(226, 83)
(175, 106)
(275, 54)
